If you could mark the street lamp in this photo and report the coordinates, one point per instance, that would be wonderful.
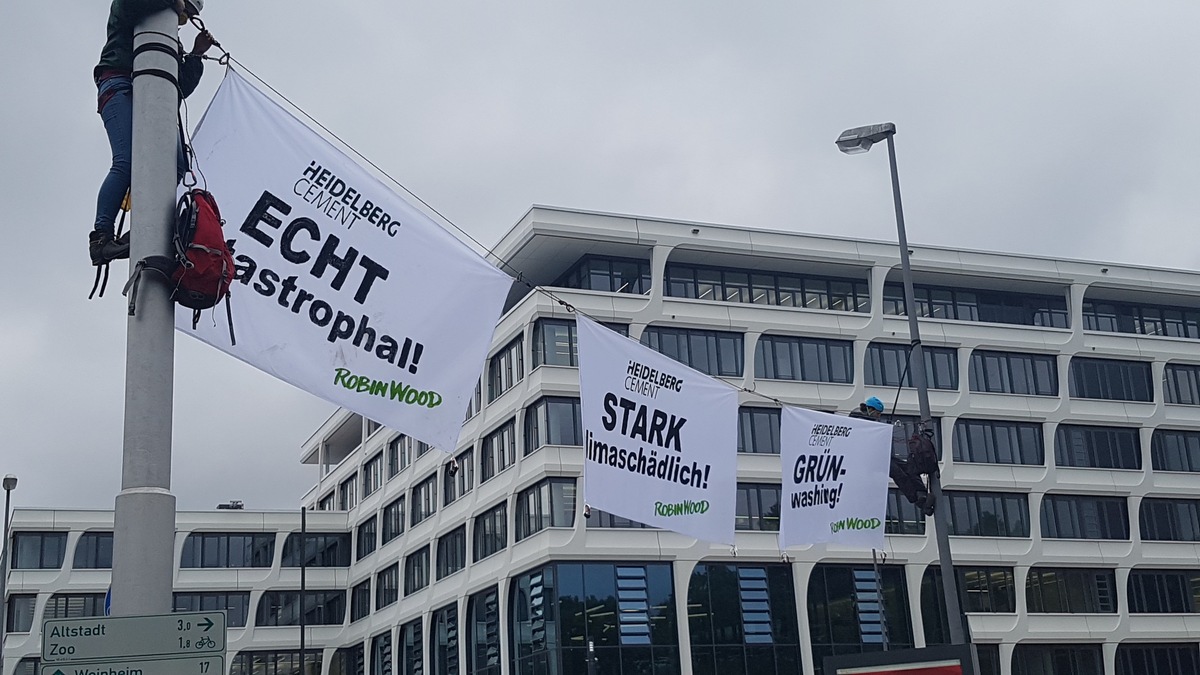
(10, 484)
(857, 141)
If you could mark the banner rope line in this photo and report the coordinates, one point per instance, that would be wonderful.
(227, 60)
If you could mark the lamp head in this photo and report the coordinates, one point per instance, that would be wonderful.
(860, 139)
(10, 482)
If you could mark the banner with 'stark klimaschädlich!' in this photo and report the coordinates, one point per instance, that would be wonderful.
(660, 439)
(835, 479)
(343, 289)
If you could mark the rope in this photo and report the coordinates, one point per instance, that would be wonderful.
(519, 277)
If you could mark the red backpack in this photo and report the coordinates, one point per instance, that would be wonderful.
(201, 270)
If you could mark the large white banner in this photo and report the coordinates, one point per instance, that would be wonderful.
(835, 479)
(344, 289)
(660, 439)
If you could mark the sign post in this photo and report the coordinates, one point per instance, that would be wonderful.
(185, 643)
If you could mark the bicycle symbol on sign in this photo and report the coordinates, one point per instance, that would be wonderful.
(206, 643)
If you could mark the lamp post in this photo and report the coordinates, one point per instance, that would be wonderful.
(10, 484)
(853, 142)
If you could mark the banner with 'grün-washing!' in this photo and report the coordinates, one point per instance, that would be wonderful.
(835, 479)
(343, 288)
(659, 438)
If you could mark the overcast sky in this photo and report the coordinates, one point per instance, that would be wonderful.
(1065, 129)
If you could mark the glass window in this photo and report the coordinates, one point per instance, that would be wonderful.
(603, 519)
(498, 451)
(20, 612)
(887, 366)
(94, 551)
(1084, 517)
(424, 500)
(281, 662)
(235, 605)
(625, 610)
(491, 531)
(1141, 319)
(779, 357)
(715, 353)
(1175, 450)
(458, 476)
(416, 570)
(963, 304)
(903, 517)
(367, 541)
(1071, 590)
(360, 600)
(1164, 591)
(321, 549)
(1097, 447)
(1170, 519)
(392, 454)
(74, 606)
(506, 369)
(553, 420)
(348, 493)
(549, 503)
(608, 274)
(1014, 373)
(381, 654)
(555, 343)
(483, 633)
(387, 585)
(758, 430)
(767, 288)
(327, 502)
(743, 619)
(1111, 380)
(282, 608)
(443, 640)
(988, 514)
(402, 451)
(393, 519)
(1158, 659)
(223, 549)
(1182, 384)
(38, 550)
(1041, 659)
(412, 656)
(852, 610)
(452, 551)
(998, 442)
(981, 589)
(348, 660)
(757, 507)
(372, 475)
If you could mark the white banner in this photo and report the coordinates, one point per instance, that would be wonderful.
(660, 439)
(344, 289)
(835, 479)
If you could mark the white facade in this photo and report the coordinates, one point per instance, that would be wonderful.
(545, 245)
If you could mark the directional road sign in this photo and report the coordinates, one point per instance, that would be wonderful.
(190, 665)
(179, 635)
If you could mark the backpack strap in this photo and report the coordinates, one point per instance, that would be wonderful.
(229, 316)
(161, 264)
(98, 283)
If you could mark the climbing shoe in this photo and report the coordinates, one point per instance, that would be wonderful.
(104, 249)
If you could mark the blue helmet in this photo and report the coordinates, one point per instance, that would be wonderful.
(874, 403)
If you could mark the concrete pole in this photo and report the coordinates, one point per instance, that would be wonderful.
(916, 369)
(144, 532)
